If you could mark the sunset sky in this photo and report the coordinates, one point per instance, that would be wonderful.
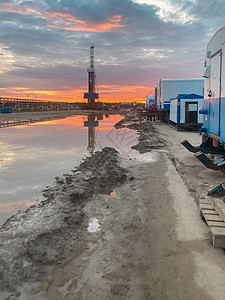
(44, 45)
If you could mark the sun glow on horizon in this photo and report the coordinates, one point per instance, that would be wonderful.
(108, 93)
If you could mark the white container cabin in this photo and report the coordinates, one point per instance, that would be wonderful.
(184, 110)
(150, 100)
(214, 88)
(170, 88)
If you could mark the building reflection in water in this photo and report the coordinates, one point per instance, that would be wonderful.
(92, 122)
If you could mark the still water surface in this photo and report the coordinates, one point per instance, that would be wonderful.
(32, 155)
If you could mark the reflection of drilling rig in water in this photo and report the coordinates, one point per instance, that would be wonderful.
(92, 123)
(91, 95)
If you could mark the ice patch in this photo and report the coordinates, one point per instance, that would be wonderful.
(93, 225)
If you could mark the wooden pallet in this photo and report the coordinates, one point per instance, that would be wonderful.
(215, 222)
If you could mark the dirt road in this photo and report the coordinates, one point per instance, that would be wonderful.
(151, 242)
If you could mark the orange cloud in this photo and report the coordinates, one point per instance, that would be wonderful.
(64, 21)
(134, 88)
(19, 9)
(69, 22)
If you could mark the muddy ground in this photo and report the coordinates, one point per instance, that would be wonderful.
(119, 229)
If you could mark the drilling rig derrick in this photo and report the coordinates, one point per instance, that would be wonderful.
(91, 95)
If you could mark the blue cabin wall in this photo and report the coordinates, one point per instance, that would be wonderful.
(222, 120)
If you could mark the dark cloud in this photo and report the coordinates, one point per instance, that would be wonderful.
(209, 14)
(49, 41)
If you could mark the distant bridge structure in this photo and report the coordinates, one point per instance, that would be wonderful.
(18, 104)
(4, 100)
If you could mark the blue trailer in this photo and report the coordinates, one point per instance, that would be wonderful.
(214, 95)
(213, 111)
(213, 129)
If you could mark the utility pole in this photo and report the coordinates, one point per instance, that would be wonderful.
(91, 95)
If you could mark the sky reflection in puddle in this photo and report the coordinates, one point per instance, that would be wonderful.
(32, 155)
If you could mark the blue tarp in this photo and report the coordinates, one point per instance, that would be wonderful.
(6, 110)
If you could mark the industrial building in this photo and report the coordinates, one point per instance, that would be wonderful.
(184, 110)
(150, 100)
(169, 89)
(214, 93)
(213, 132)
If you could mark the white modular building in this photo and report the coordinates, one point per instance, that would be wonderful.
(214, 62)
(150, 100)
(214, 88)
(184, 110)
(169, 89)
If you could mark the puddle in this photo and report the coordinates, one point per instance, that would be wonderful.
(51, 148)
(93, 225)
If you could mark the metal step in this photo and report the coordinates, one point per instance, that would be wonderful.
(216, 224)
(205, 147)
(208, 163)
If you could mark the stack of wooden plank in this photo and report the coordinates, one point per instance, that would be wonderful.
(213, 211)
